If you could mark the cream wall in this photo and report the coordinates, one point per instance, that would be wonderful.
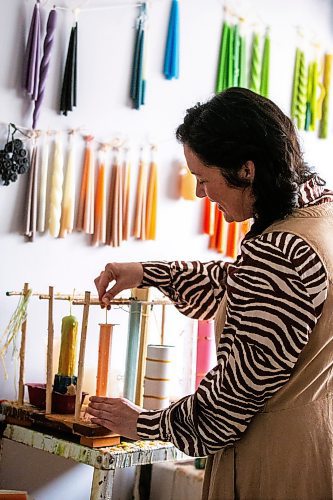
(105, 51)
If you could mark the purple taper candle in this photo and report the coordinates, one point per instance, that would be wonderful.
(44, 64)
(32, 55)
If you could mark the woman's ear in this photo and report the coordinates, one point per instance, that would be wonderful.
(248, 170)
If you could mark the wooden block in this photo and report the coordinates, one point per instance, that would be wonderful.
(13, 495)
(100, 442)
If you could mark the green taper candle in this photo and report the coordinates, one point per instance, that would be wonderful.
(242, 63)
(265, 66)
(294, 97)
(255, 64)
(323, 131)
(223, 59)
(236, 55)
(301, 93)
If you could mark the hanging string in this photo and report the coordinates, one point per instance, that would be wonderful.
(171, 56)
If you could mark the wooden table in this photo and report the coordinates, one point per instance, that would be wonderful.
(105, 461)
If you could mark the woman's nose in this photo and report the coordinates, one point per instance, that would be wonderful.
(200, 191)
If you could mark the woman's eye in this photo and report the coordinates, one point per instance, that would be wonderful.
(201, 182)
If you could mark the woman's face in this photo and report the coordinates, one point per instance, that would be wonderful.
(235, 203)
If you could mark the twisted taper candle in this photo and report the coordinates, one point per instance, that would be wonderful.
(44, 64)
(255, 65)
(56, 189)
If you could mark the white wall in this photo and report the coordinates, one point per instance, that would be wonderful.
(105, 51)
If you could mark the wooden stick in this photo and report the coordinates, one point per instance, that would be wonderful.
(49, 361)
(94, 301)
(143, 346)
(22, 353)
(163, 324)
(83, 339)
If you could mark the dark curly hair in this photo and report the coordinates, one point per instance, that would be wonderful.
(238, 125)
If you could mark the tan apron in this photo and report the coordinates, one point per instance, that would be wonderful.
(287, 451)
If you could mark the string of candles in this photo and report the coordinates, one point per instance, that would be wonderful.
(311, 90)
(103, 213)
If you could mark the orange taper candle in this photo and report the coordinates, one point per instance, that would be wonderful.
(233, 239)
(104, 351)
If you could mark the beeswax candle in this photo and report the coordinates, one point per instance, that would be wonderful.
(67, 358)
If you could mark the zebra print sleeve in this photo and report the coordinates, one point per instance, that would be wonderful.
(196, 288)
(275, 293)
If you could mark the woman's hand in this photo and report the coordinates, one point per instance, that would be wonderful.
(116, 414)
(126, 275)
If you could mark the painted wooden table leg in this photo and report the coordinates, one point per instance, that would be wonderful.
(101, 488)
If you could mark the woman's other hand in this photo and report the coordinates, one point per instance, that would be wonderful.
(116, 414)
(126, 276)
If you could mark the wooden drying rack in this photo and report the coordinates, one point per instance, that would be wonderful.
(23, 414)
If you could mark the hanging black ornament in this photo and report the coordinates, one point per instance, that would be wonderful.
(14, 158)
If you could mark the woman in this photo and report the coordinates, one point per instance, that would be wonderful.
(264, 414)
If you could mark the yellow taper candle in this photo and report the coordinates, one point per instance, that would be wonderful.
(67, 358)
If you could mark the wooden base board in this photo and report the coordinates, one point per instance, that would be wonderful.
(90, 434)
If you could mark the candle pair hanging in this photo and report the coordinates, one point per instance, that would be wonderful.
(35, 67)
(69, 87)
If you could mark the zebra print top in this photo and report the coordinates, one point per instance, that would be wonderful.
(275, 293)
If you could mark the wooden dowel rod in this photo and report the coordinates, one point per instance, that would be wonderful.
(163, 324)
(94, 301)
(49, 360)
(83, 339)
(22, 352)
(142, 350)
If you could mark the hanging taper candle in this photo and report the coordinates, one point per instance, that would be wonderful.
(314, 95)
(139, 224)
(86, 199)
(44, 64)
(115, 223)
(230, 62)
(68, 93)
(100, 202)
(255, 64)
(208, 216)
(56, 188)
(323, 131)
(265, 66)
(138, 82)
(43, 184)
(301, 92)
(294, 98)
(32, 56)
(236, 55)
(31, 200)
(68, 201)
(171, 57)
(242, 57)
(152, 198)
(126, 176)
(222, 71)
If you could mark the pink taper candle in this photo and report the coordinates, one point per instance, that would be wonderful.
(44, 64)
(206, 353)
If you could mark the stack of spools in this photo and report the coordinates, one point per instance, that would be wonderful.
(158, 377)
